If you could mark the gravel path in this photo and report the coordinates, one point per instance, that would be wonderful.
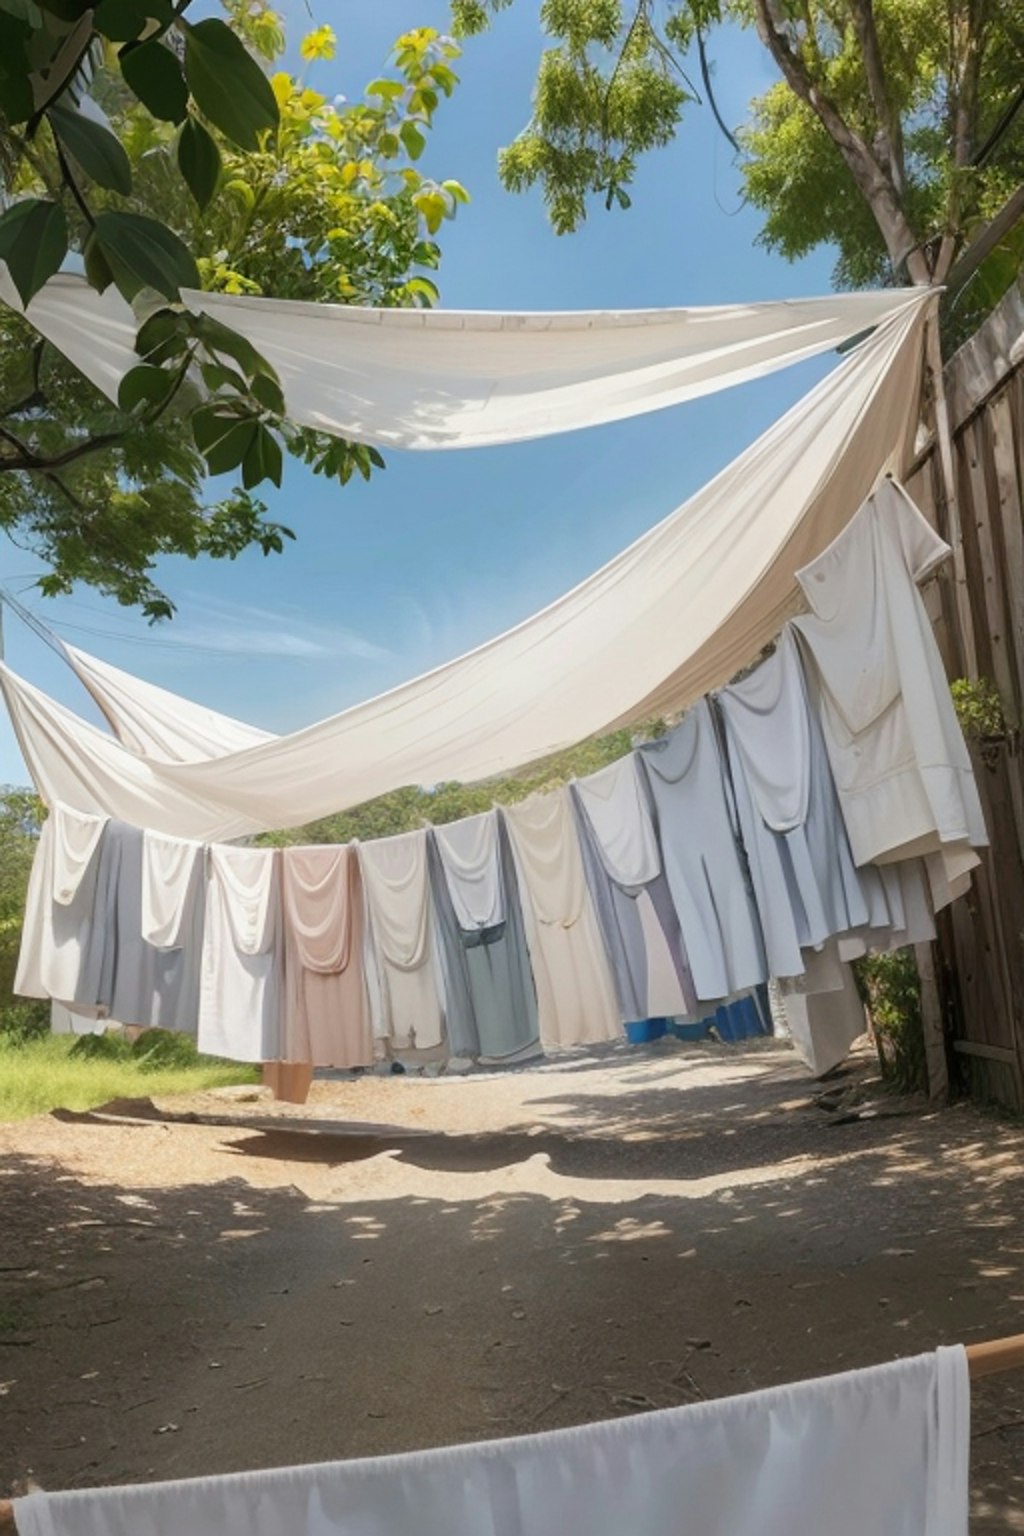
(411, 1262)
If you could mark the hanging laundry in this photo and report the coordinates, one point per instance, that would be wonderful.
(59, 905)
(705, 874)
(171, 869)
(397, 883)
(242, 958)
(622, 864)
(471, 860)
(804, 877)
(876, 1452)
(898, 754)
(575, 991)
(491, 1000)
(125, 976)
(327, 1011)
(900, 903)
(824, 1024)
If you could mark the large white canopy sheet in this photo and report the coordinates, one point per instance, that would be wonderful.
(155, 723)
(672, 617)
(405, 378)
(878, 1452)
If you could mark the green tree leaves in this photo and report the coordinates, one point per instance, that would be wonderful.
(227, 84)
(300, 198)
(143, 253)
(198, 161)
(33, 243)
(891, 132)
(154, 74)
(99, 153)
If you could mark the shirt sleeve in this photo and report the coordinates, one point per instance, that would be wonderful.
(924, 550)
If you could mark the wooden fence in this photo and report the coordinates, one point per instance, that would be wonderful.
(980, 625)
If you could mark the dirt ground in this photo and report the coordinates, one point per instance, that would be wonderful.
(413, 1262)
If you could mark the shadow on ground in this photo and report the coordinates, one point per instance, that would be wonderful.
(213, 1327)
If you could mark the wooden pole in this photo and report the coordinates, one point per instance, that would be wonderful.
(953, 530)
(995, 1355)
(988, 1359)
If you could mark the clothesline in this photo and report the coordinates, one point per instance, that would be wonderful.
(691, 870)
(989, 1357)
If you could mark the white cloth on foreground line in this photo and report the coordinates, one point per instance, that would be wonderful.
(877, 1452)
(406, 378)
(672, 616)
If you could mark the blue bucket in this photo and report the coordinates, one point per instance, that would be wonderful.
(643, 1031)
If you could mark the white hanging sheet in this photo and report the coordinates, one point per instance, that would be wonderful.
(397, 883)
(73, 763)
(618, 811)
(575, 991)
(168, 883)
(155, 723)
(898, 754)
(673, 616)
(824, 1024)
(472, 869)
(241, 985)
(876, 1452)
(59, 905)
(406, 378)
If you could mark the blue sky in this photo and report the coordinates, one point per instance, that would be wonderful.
(441, 551)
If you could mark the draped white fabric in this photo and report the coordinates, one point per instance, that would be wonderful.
(472, 869)
(396, 878)
(58, 905)
(73, 763)
(168, 879)
(575, 990)
(240, 991)
(877, 1452)
(155, 723)
(455, 379)
(620, 816)
(901, 764)
(673, 616)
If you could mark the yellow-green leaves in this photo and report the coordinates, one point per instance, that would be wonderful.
(413, 138)
(319, 44)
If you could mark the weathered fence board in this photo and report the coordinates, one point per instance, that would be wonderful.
(981, 940)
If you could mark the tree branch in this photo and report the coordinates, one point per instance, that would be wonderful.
(36, 397)
(70, 182)
(28, 461)
(966, 50)
(890, 129)
(872, 180)
(984, 244)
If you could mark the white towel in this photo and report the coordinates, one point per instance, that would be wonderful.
(878, 1452)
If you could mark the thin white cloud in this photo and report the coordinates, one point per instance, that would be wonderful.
(242, 629)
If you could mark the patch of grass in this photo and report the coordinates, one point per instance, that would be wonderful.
(59, 1072)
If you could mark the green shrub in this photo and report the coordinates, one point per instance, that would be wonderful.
(157, 1050)
(25, 1019)
(109, 1046)
(979, 708)
(891, 988)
